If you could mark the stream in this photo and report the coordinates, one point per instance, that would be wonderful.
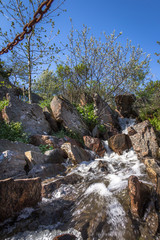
(96, 208)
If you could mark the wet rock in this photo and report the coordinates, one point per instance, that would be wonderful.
(153, 222)
(119, 143)
(12, 164)
(125, 105)
(65, 113)
(50, 119)
(144, 140)
(65, 237)
(152, 169)
(54, 156)
(105, 114)
(17, 146)
(18, 194)
(95, 145)
(75, 154)
(103, 166)
(46, 140)
(46, 170)
(30, 115)
(72, 141)
(49, 187)
(139, 196)
(33, 158)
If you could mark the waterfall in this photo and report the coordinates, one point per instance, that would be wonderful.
(98, 198)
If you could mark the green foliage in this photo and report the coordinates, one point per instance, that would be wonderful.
(3, 103)
(63, 132)
(155, 120)
(101, 128)
(44, 148)
(13, 131)
(87, 112)
(45, 103)
(149, 105)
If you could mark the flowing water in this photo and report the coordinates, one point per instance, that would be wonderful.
(96, 208)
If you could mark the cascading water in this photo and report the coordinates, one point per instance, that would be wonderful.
(99, 203)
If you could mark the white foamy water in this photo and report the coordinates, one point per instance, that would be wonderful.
(99, 188)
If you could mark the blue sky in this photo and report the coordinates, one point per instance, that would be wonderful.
(138, 20)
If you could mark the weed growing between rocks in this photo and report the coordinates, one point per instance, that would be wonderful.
(3, 103)
(44, 148)
(13, 131)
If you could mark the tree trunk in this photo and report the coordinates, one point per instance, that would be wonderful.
(29, 71)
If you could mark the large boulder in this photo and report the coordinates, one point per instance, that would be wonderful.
(46, 170)
(18, 194)
(33, 158)
(49, 140)
(144, 140)
(17, 146)
(75, 154)
(94, 144)
(152, 168)
(50, 119)
(48, 187)
(66, 114)
(106, 115)
(119, 143)
(125, 105)
(55, 156)
(30, 115)
(12, 164)
(139, 196)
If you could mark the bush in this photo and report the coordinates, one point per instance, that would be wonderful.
(45, 103)
(155, 120)
(3, 103)
(13, 132)
(87, 113)
(44, 148)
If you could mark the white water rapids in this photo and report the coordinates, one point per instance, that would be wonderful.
(103, 189)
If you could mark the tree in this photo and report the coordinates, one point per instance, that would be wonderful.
(158, 54)
(37, 47)
(46, 84)
(105, 67)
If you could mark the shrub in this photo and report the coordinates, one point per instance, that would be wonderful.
(44, 148)
(45, 103)
(155, 120)
(3, 103)
(13, 131)
(87, 113)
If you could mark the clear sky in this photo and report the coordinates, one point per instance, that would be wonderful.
(139, 20)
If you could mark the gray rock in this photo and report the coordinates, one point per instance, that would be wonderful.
(30, 115)
(66, 114)
(144, 140)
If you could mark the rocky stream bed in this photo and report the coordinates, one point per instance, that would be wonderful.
(91, 202)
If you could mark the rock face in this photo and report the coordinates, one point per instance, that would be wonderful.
(95, 145)
(18, 194)
(54, 156)
(12, 164)
(75, 154)
(139, 196)
(46, 140)
(50, 119)
(125, 105)
(152, 169)
(65, 237)
(30, 115)
(105, 114)
(119, 143)
(33, 158)
(46, 170)
(16, 146)
(144, 140)
(48, 188)
(65, 113)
